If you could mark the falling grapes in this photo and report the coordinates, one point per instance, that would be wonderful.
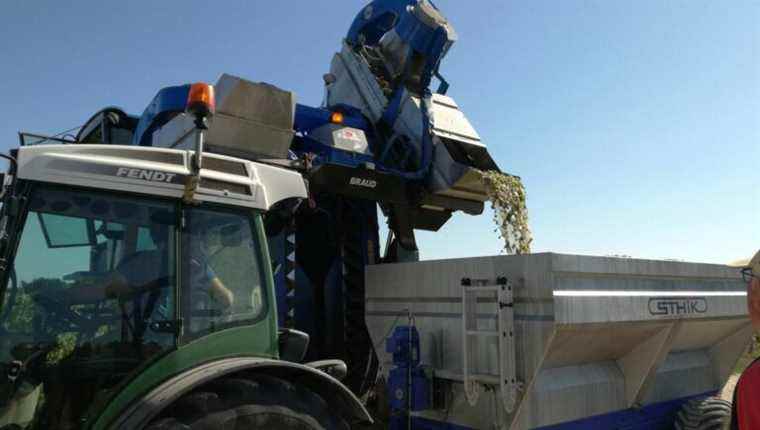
(507, 196)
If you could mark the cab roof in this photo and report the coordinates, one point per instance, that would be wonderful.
(160, 172)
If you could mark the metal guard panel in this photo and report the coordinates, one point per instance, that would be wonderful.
(333, 391)
(450, 122)
(159, 172)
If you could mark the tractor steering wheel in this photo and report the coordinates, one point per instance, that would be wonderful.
(60, 309)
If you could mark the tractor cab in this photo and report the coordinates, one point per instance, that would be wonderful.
(108, 269)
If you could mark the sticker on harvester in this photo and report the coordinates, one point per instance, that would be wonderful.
(361, 182)
(349, 134)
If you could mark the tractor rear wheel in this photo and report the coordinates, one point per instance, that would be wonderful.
(258, 402)
(711, 413)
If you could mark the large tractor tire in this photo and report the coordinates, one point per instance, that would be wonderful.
(258, 402)
(711, 413)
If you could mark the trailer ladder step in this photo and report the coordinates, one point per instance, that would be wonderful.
(502, 295)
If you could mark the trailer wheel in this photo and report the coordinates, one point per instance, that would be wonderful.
(259, 402)
(711, 413)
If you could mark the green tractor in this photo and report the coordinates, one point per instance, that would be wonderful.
(137, 293)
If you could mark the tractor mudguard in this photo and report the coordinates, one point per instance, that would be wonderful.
(336, 394)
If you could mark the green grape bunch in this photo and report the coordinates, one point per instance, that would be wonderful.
(507, 196)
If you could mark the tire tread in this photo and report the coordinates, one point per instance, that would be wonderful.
(249, 402)
(709, 413)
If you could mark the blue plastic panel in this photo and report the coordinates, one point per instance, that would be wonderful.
(167, 101)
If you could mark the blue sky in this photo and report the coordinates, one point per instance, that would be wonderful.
(634, 125)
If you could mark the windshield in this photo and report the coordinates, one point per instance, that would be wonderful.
(90, 299)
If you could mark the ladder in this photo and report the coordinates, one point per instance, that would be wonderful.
(502, 296)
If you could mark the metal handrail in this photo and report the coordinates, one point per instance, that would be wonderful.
(42, 139)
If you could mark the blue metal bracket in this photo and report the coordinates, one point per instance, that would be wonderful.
(375, 20)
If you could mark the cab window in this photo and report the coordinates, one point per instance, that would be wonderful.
(222, 270)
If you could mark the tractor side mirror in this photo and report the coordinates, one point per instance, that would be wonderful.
(293, 345)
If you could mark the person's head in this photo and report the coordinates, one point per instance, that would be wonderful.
(159, 234)
(161, 222)
(751, 274)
